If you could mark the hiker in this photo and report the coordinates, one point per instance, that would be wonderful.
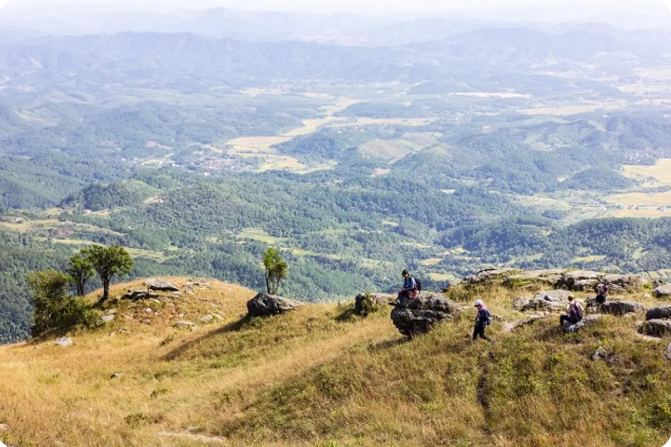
(483, 320)
(602, 293)
(574, 314)
(409, 289)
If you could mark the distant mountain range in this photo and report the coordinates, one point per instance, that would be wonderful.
(57, 19)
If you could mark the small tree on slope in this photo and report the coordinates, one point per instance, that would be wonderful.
(276, 269)
(109, 262)
(81, 271)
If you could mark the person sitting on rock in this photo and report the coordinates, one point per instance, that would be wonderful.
(409, 289)
(483, 320)
(602, 293)
(574, 314)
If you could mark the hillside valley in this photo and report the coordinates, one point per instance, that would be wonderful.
(321, 375)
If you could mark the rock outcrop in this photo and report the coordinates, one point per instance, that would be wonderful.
(624, 282)
(160, 285)
(656, 328)
(364, 303)
(617, 308)
(579, 277)
(484, 276)
(548, 301)
(263, 305)
(418, 316)
(588, 321)
(663, 291)
(547, 277)
(658, 313)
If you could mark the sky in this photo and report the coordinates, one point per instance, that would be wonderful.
(365, 6)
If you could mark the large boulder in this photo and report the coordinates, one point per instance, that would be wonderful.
(139, 294)
(489, 275)
(658, 313)
(619, 308)
(364, 303)
(663, 291)
(160, 285)
(585, 285)
(419, 315)
(264, 304)
(569, 279)
(588, 321)
(656, 328)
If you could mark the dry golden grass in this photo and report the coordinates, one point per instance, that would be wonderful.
(661, 171)
(641, 199)
(317, 377)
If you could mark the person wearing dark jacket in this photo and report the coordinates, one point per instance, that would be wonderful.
(409, 289)
(602, 293)
(483, 320)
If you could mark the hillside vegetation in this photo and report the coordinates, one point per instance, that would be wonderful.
(321, 377)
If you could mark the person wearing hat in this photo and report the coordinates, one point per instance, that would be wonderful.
(409, 289)
(483, 320)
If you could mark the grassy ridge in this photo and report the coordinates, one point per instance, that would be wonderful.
(317, 377)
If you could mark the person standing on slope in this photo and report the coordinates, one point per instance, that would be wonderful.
(483, 320)
(574, 314)
(409, 289)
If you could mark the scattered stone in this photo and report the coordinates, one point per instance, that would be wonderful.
(217, 316)
(658, 313)
(647, 295)
(192, 428)
(116, 376)
(588, 321)
(263, 305)
(112, 312)
(139, 294)
(206, 319)
(519, 303)
(667, 353)
(555, 296)
(64, 342)
(156, 301)
(160, 285)
(4, 427)
(599, 354)
(176, 294)
(180, 315)
(663, 291)
(146, 321)
(420, 315)
(656, 328)
(108, 318)
(185, 325)
(149, 310)
(363, 302)
(124, 329)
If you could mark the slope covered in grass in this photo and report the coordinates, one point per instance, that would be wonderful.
(320, 377)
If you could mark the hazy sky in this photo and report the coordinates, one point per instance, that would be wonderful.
(321, 5)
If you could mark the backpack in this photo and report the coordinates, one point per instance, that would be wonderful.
(418, 283)
(575, 311)
(488, 318)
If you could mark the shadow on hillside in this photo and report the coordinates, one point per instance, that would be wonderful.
(388, 344)
(231, 327)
